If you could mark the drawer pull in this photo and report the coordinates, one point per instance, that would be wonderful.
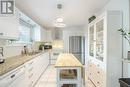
(90, 73)
(13, 76)
(98, 72)
(1, 33)
(30, 69)
(97, 82)
(31, 63)
(30, 75)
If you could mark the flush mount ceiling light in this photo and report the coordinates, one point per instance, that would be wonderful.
(60, 25)
(59, 20)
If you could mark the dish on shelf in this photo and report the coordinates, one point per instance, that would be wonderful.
(68, 74)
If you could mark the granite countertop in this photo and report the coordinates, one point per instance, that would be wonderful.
(14, 62)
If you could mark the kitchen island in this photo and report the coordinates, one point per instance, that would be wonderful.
(69, 71)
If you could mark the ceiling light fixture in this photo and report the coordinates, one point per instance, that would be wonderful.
(59, 20)
(60, 25)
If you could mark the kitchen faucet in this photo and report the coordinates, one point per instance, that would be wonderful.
(2, 60)
(1, 51)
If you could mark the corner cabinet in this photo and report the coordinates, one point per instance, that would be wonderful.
(9, 27)
(105, 49)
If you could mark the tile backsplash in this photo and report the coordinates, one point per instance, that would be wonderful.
(10, 51)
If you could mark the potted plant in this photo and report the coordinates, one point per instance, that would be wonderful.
(127, 37)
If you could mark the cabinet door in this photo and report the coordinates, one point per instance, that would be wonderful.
(100, 40)
(9, 27)
(91, 41)
(19, 82)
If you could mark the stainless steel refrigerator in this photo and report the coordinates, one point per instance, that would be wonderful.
(77, 47)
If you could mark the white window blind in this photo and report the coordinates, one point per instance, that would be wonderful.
(25, 32)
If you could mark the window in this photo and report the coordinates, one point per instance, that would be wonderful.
(26, 30)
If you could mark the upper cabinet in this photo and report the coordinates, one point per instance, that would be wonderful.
(96, 39)
(9, 26)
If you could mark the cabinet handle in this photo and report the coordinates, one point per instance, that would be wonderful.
(12, 76)
(1, 33)
(31, 63)
(98, 72)
(90, 73)
(31, 69)
(97, 82)
(30, 75)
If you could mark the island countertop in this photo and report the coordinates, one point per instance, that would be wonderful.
(67, 60)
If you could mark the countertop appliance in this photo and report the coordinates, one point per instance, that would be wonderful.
(48, 45)
(77, 47)
(1, 55)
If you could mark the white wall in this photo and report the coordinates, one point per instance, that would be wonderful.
(71, 31)
(43, 34)
(10, 51)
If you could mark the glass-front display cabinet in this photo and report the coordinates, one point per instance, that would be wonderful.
(99, 40)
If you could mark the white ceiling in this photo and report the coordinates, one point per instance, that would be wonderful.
(74, 12)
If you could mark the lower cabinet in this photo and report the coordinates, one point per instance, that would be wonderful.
(15, 78)
(35, 68)
(27, 74)
(96, 75)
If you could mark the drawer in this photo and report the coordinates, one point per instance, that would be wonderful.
(99, 77)
(30, 63)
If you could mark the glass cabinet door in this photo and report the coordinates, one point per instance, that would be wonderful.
(91, 41)
(99, 40)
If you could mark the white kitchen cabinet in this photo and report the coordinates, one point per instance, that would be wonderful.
(104, 45)
(27, 74)
(14, 78)
(35, 68)
(9, 27)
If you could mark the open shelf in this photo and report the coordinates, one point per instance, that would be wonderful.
(68, 74)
